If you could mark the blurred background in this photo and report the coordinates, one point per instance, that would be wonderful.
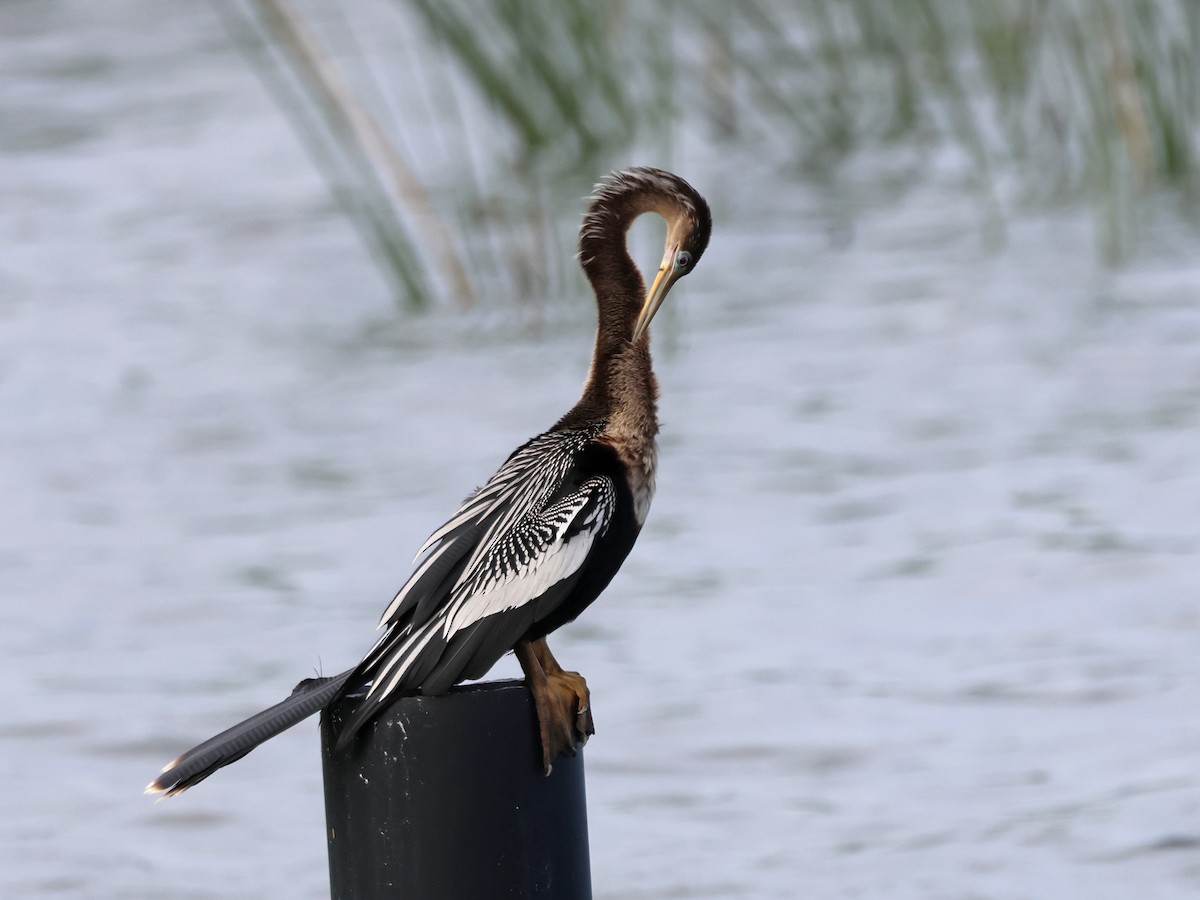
(915, 614)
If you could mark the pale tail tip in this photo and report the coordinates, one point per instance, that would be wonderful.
(161, 792)
(156, 787)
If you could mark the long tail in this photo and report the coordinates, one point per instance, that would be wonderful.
(232, 744)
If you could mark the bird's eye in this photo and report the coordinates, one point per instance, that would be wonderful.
(683, 260)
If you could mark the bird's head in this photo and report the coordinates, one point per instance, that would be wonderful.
(689, 224)
(616, 202)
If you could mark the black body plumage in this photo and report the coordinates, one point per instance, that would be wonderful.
(542, 538)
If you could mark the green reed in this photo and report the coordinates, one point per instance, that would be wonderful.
(1072, 101)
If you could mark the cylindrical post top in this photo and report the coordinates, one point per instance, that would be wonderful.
(444, 797)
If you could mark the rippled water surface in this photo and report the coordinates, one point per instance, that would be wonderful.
(915, 614)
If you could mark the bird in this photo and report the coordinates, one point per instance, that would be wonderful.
(531, 548)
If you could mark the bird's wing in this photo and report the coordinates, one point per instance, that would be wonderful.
(527, 560)
(519, 578)
(523, 485)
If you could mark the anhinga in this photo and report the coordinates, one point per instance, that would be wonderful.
(543, 537)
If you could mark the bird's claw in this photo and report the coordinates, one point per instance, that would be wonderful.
(564, 717)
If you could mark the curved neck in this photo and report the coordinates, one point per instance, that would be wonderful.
(621, 387)
(621, 373)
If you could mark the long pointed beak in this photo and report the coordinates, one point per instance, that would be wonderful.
(657, 293)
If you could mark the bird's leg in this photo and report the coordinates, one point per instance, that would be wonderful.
(561, 699)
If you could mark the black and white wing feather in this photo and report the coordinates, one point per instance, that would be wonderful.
(506, 560)
(523, 485)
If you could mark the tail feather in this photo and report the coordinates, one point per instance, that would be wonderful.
(232, 744)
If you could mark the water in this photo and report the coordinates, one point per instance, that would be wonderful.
(915, 614)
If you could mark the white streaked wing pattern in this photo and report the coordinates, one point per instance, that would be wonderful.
(534, 556)
(521, 486)
(548, 547)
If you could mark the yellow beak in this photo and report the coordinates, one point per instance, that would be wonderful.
(663, 280)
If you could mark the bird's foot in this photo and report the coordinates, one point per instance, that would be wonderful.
(564, 712)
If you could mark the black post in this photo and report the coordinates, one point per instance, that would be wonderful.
(444, 797)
